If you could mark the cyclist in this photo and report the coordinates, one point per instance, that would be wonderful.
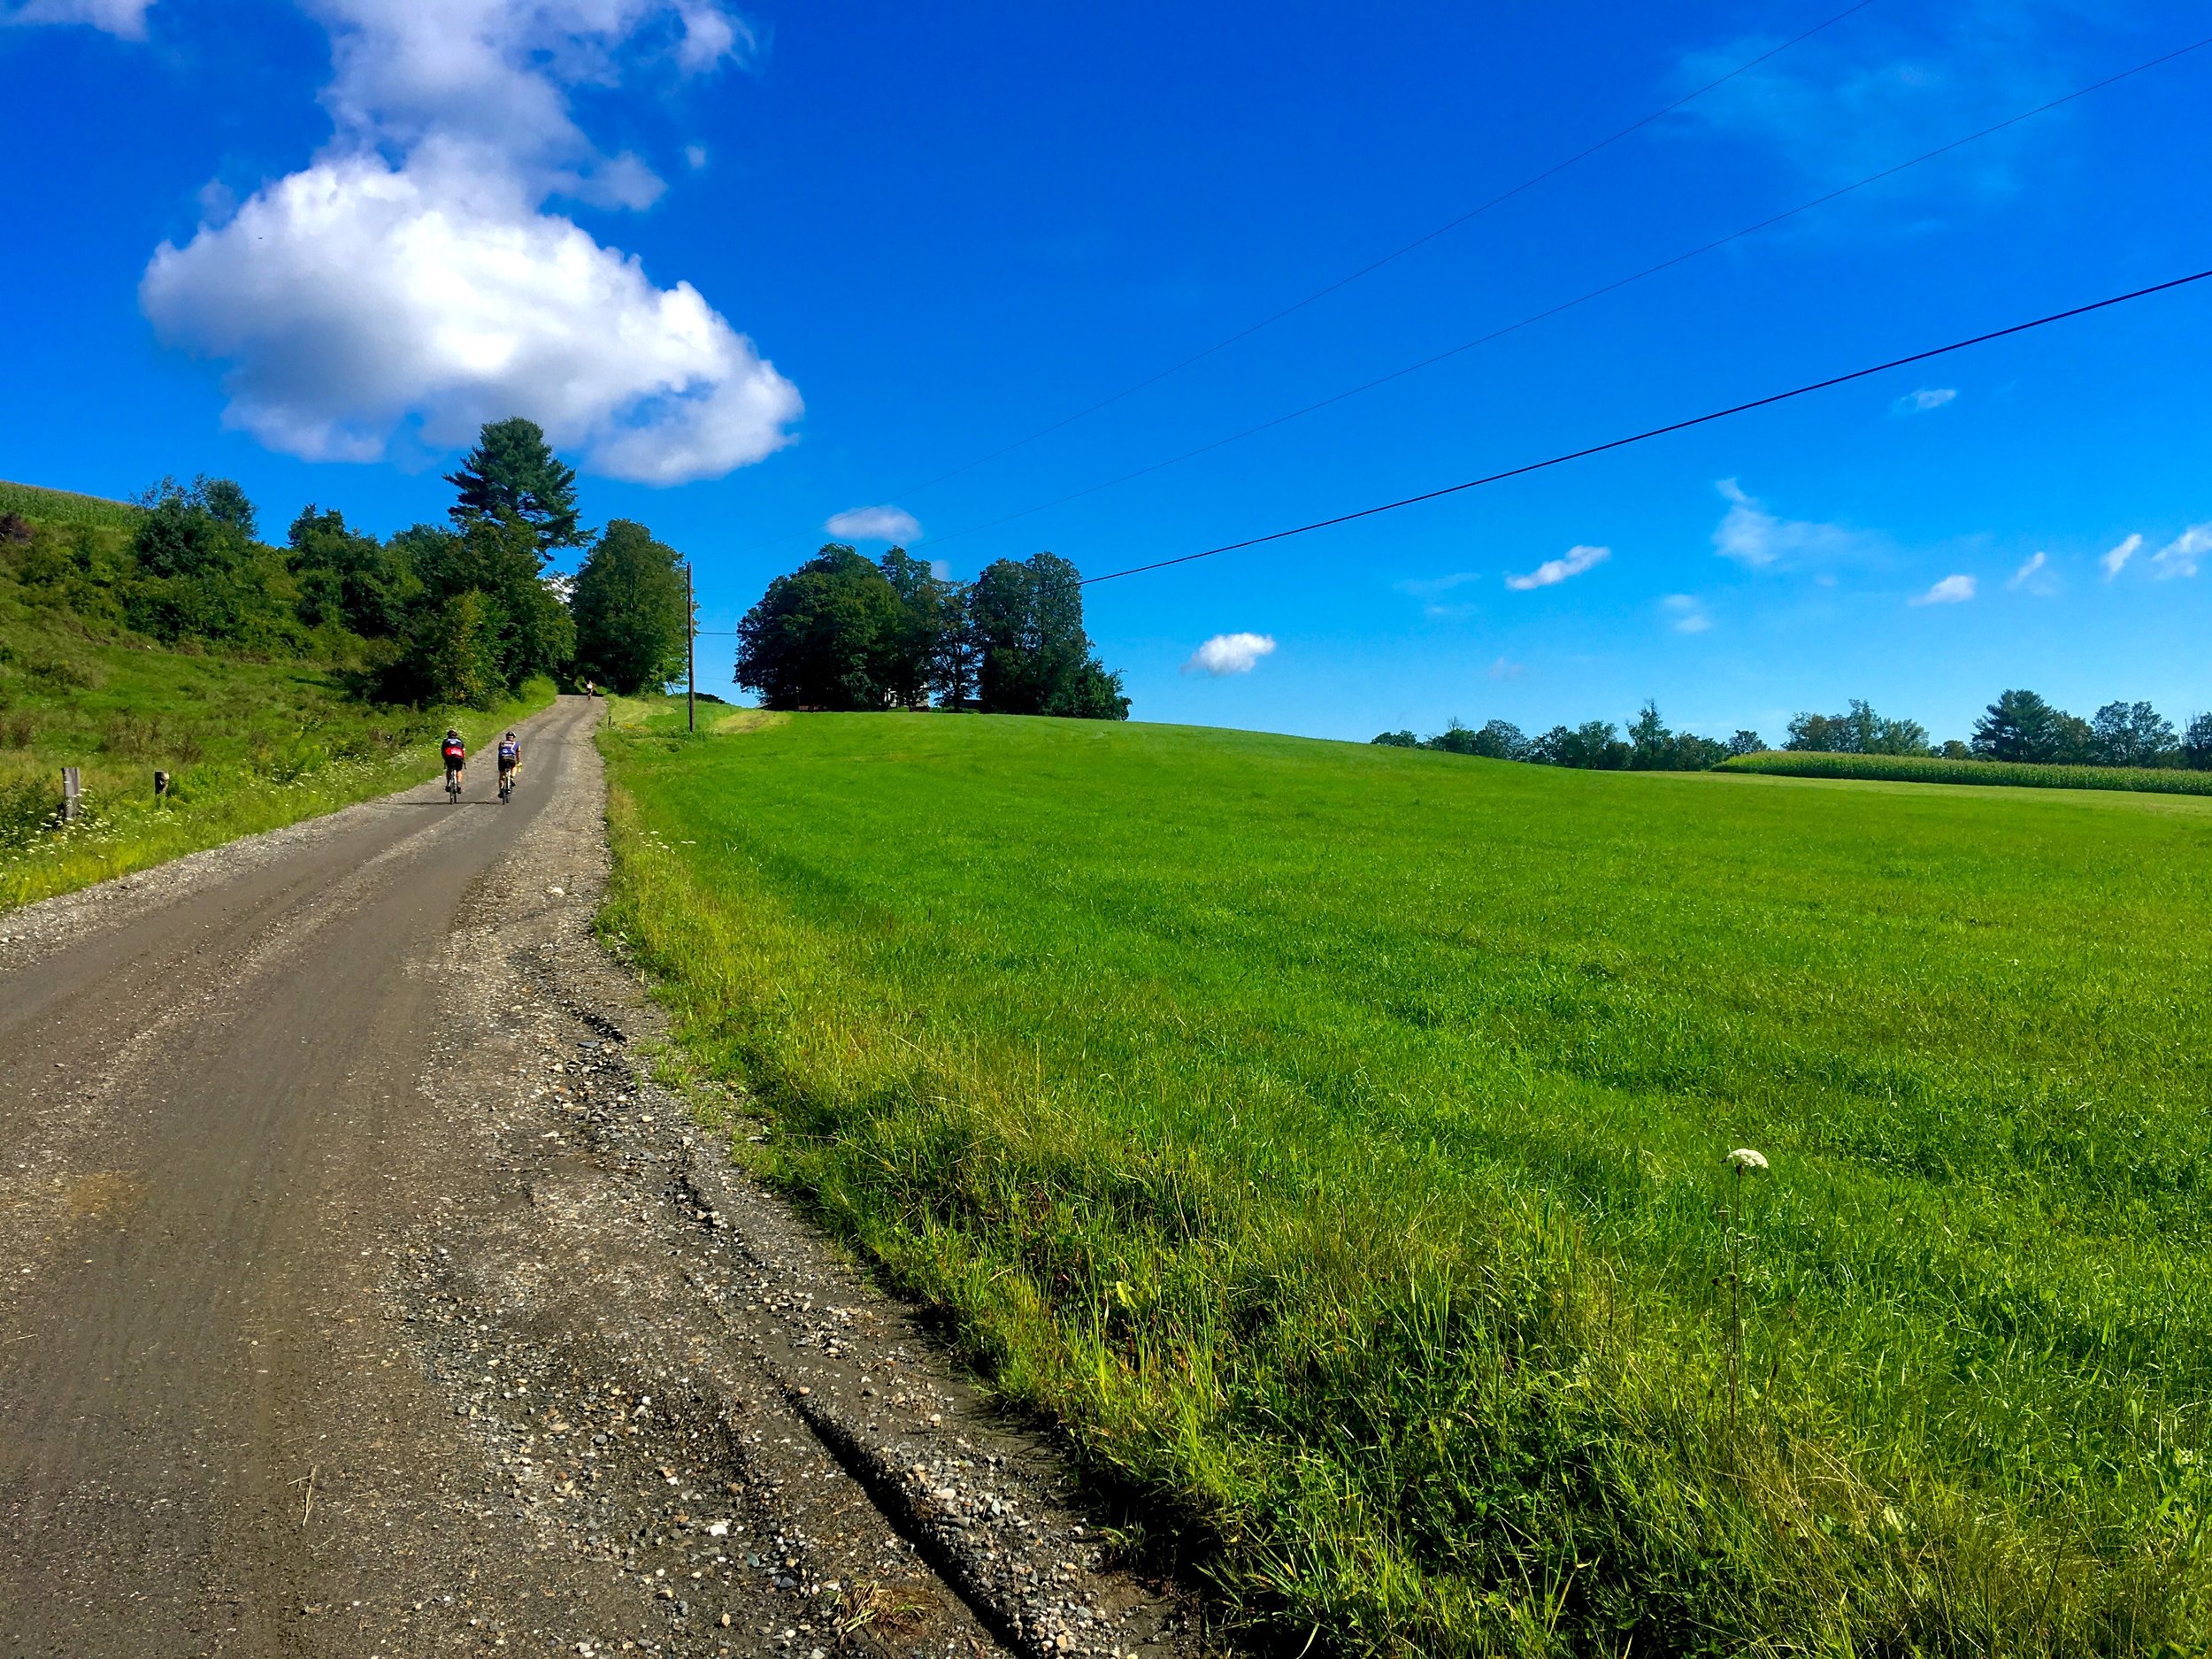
(457, 754)
(510, 762)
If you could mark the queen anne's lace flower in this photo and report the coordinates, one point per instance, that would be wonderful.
(1745, 1158)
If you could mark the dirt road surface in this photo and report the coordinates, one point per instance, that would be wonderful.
(360, 1294)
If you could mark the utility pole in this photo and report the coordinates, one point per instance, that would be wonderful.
(691, 652)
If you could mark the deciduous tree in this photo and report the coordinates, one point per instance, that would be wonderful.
(633, 617)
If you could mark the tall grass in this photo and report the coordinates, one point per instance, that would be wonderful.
(62, 507)
(1928, 769)
(1333, 1142)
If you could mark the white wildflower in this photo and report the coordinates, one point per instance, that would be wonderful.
(1745, 1158)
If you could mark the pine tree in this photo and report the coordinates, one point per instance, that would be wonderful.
(512, 474)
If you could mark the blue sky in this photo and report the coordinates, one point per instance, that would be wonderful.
(760, 267)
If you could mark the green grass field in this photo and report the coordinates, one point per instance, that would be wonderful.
(1334, 1141)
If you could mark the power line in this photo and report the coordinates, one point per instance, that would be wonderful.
(1661, 432)
(1550, 311)
(1373, 266)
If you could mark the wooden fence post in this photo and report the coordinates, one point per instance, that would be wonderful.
(72, 787)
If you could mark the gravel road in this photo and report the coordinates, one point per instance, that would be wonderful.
(361, 1296)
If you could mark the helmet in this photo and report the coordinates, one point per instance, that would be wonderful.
(510, 735)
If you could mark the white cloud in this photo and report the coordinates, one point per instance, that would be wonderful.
(1430, 587)
(1952, 590)
(875, 523)
(1751, 535)
(493, 74)
(1687, 612)
(351, 298)
(1851, 102)
(694, 157)
(409, 276)
(124, 17)
(942, 569)
(2115, 559)
(2179, 557)
(1505, 669)
(1576, 560)
(1921, 402)
(1230, 654)
(2034, 575)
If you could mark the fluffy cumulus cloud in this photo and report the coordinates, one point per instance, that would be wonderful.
(126, 18)
(411, 276)
(1230, 654)
(875, 523)
(1551, 573)
(1751, 535)
(1921, 402)
(2115, 559)
(1952, 590)
(2180, 556)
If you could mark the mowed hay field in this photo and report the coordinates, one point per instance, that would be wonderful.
(1334, 1140)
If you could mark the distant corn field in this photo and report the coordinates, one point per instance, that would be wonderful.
(60, 506)
(1931, 769)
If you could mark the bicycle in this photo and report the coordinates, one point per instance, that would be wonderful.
(506, 786)
(453, 788)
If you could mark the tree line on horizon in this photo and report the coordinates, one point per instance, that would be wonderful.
(2020, 726)
(464, 612)
(458, 613)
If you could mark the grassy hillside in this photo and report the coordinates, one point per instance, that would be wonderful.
(1334, 1140)
(251, 742)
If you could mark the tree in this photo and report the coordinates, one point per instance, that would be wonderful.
(1650, 743)
(519, 629)
(1088, 691)
(513, 474)
(346, 578)
(1747, 741)
(1857, 731)
(633, 617)
(1653, 747)
(924, 655)
(2131, 734)
(1397, 739)
(455, 654)
(198, 572)
(2196, 744)
(826, 636)
(2020, 726)
(1025, 617)
(1500, 740)
(1594, 745)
